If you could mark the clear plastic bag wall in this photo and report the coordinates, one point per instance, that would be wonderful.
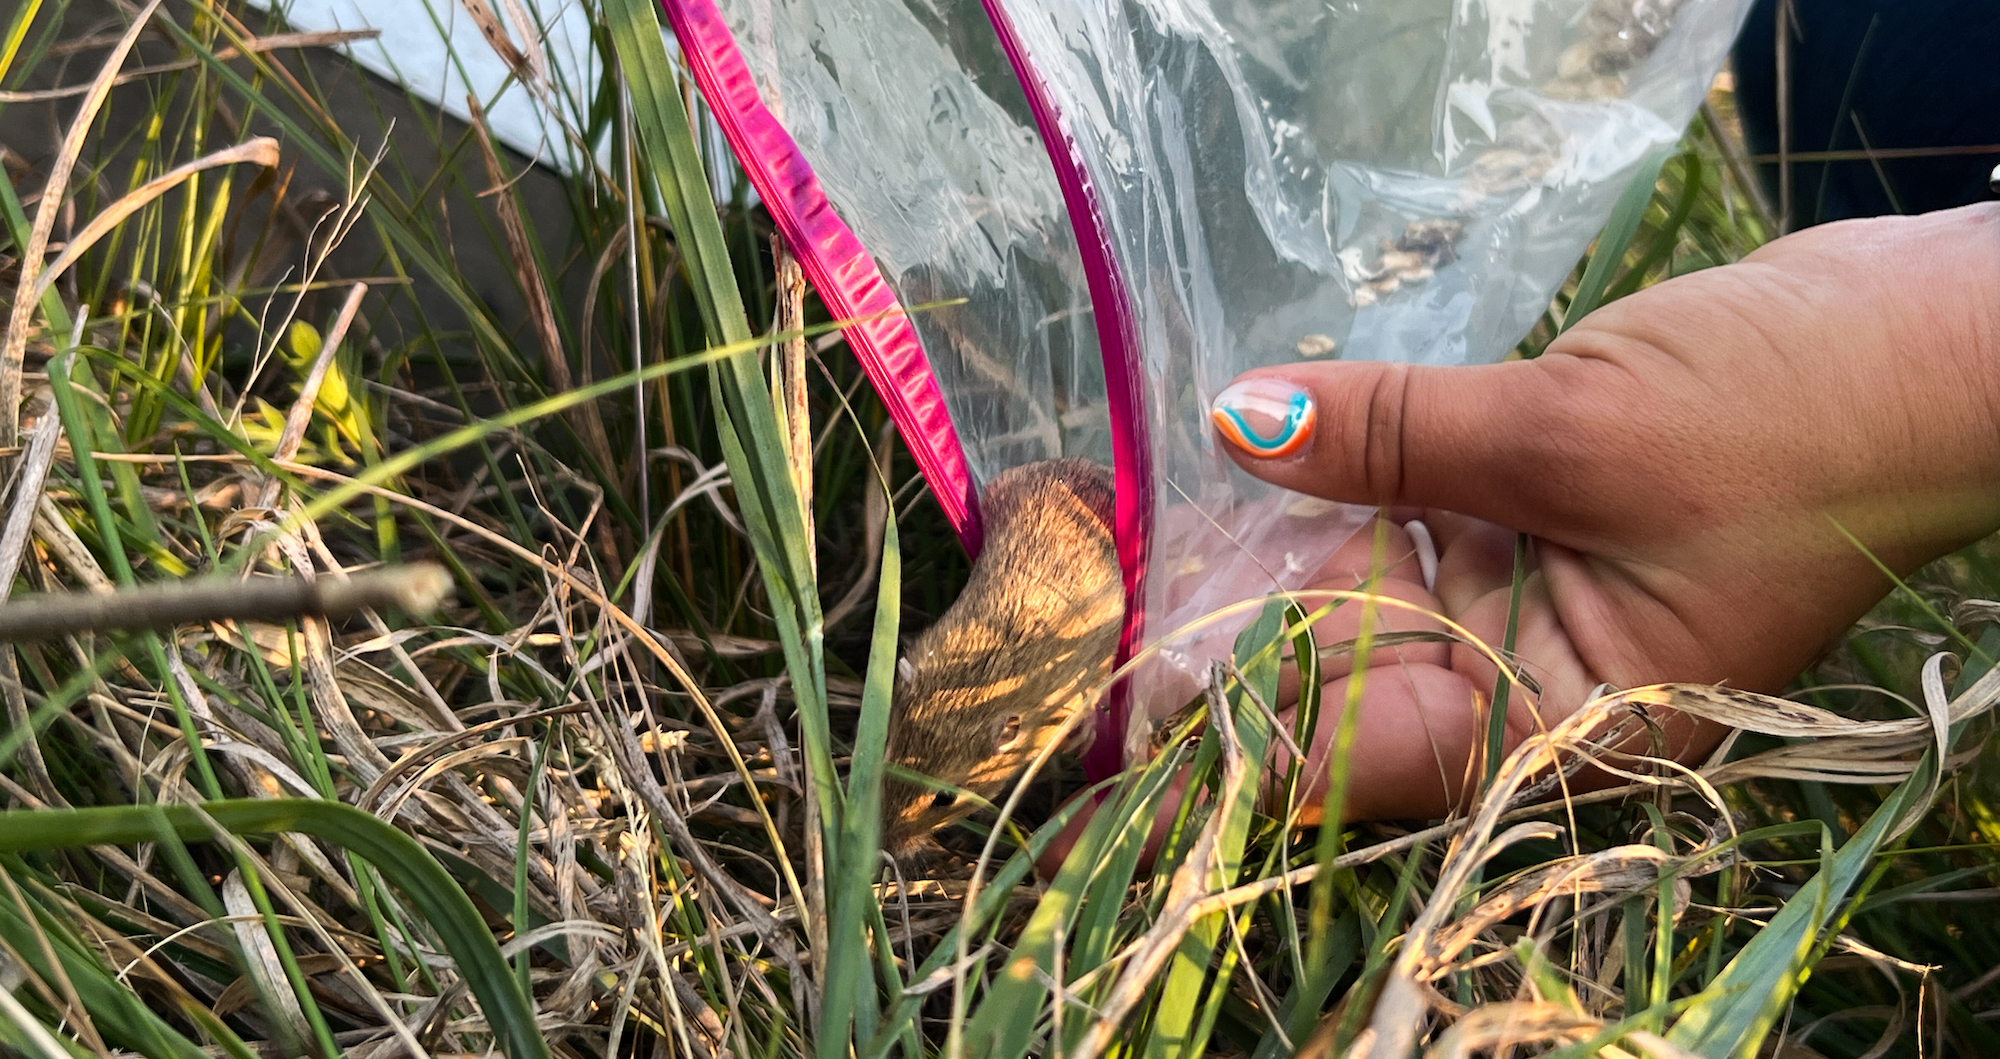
(1270, 180)
(917, 129)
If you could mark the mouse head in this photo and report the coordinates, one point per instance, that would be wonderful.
(969, 742)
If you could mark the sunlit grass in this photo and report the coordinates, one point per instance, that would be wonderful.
(637, 757)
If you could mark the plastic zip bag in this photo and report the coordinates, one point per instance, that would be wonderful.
(1141, 199)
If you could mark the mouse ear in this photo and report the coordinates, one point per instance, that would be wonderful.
(1010, 730)
(905, 672)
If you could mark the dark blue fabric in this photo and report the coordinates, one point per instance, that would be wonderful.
(1916, 73)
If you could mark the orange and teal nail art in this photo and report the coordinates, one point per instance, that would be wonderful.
(1268, 418)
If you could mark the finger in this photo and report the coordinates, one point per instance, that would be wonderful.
(1338, 634)
(1475, 559)
(1419, 733)
(1380, 558)
(1385, 563)
(1482, 441)
(1413, 738)
(1553, 679)
(1379, 551)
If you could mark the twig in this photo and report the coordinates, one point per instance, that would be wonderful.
(1879, 153)
(415, 589)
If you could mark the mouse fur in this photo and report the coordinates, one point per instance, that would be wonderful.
(987, 687)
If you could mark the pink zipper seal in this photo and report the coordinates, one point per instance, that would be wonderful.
(1124, 380)
(833, 259)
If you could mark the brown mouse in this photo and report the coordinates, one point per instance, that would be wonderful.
(988, 686)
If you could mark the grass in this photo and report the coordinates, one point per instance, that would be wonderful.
(620, 798)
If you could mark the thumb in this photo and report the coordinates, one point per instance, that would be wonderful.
(1482, 441)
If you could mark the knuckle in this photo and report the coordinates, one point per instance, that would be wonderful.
(1383, 447)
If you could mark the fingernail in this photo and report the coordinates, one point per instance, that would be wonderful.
(1427, 552)
(1264, 417)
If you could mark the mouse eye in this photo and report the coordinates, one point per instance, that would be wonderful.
(943, 799)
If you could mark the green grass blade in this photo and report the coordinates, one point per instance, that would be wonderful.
(1503, 685)
(1009, 1017)
(115, 1012)
(1738, 1008)
(1668, 235)
(1175, 1032)
(1114, 861)
(992, 900)
(858, 853)
(429, 889)
(752, 443)
(77, 428)
(17, 31)
(1341, 944)
(667, 139)
(1626, 217)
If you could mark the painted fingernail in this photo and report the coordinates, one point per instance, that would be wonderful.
(1264, 417)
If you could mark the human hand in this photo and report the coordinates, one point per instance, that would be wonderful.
(1685, 460)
